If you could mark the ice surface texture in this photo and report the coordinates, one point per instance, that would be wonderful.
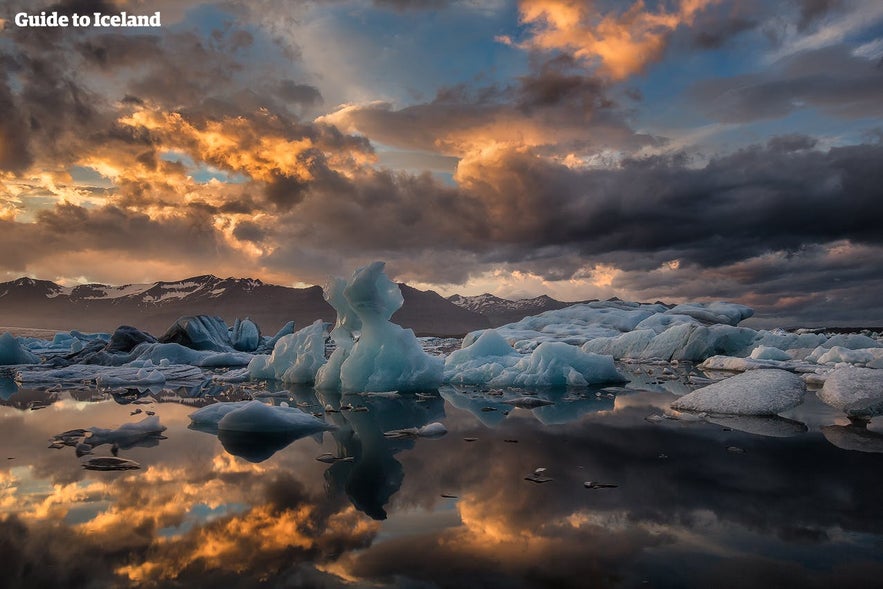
(758, 392)
(296, 358)
(858, 392)
(11, 352)
(491, 360)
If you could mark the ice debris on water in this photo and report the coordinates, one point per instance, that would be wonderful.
(856, 391)
(760, 392)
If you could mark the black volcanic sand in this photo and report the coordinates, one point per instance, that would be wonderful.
(675, 504)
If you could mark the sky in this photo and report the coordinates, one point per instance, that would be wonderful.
(658, 150)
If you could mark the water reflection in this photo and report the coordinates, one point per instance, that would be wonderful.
(788, 511)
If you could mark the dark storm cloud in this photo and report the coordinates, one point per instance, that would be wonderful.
(249, 231)
(758, 199)
(70, 228)
(830, 79)
(555, 105)
(300, 93)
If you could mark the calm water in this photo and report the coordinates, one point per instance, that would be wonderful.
(696, 504)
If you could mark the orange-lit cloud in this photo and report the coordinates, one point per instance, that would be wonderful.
(618, 43)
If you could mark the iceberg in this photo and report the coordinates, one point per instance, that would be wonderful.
(480, 361)
(769, 353)
(296, 358)
(11, 352)
(385, 356)
(555, 364)
(256, 416)
(245, 335)
(491, 360)
(758, 392)
(856, 391)
(202, 332)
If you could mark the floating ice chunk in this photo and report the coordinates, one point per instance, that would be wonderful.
(385, 357)
(296, 358)
(870, 357)
(130, 377)
(758, 392)
(201, 332)
(731, 364)
(11, 352)
(112, 375)
(124, 340)
(258, 417)
(680, 340)
(481, 361)
(769, 353)
(858, 392)
(245, 335)
(210, 415)
(558, 364)
(852, 341)
(179, 354)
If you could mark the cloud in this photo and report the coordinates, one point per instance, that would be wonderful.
(619, 44)
(832, 80)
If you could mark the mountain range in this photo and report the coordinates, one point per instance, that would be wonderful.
(153, 307)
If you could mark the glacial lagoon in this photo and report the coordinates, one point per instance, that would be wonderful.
(603, 487)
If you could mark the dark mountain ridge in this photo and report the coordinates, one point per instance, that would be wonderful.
(153, 307)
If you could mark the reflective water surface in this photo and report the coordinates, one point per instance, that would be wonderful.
(739, 503)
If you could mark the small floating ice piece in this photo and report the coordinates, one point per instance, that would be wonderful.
(759, 392)
(109, 463)
(858, 392)
(432, 430)
(538, 476)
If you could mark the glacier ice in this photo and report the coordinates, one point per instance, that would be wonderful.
(856, 391)
(490, 360)
(296, 358)
(758, 392)
(245, 335)
(11, 351)
(769, 353)
(385, 356)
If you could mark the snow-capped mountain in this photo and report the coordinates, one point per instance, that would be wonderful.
(500, 311)
(26, 302)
